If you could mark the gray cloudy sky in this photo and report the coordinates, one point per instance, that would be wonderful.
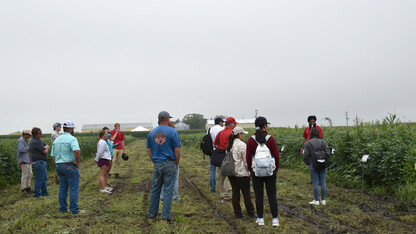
(106, 61)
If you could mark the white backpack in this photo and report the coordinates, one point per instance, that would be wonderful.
(263, 163)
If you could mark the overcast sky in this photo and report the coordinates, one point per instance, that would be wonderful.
(124, 61)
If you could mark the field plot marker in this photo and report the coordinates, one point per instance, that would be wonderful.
(364, 159)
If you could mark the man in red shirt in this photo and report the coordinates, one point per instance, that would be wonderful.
(221, 142)
(117, 137)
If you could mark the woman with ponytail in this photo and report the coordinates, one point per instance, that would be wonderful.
(261, 137)
(103, 160)
(241, 180)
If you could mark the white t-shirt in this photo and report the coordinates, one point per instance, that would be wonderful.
(214, 131)
(102, 151)
(55, 134)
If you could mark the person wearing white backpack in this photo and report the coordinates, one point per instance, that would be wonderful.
(263, 159)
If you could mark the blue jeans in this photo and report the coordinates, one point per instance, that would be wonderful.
(41, 177)
(212, 175)
(175, 195)
(164, 173)
(68, 178)
(318, 176)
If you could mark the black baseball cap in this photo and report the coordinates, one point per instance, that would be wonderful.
(260, 121)
(218, 120)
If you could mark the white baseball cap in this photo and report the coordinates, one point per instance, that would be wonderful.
(69, 124)
(238, 130)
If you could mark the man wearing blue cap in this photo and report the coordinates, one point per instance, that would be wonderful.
(219, 126)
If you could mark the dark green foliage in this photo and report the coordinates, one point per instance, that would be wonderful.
(195, 121)
(390, 144)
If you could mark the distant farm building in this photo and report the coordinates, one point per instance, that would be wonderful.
(181, 126)
(123, 126)
(244, 123)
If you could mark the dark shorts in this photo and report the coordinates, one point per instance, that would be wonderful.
(103, 162)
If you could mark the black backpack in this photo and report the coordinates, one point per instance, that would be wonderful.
(319, 157)
(218, 155)
(206, 144)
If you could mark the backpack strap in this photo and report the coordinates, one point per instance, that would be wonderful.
(219, 139)
(267, 138)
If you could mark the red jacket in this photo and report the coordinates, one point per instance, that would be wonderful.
(307, 133)
(251, 150)
(224, 135)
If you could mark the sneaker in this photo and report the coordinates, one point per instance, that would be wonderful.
(80, 212)
(109, 188)
(226, 200)
(323, 202)
(105, 191)
(117, 176)
(251, 215)
(314, 202)
(275, 222)
(260, 221)
(212, 191)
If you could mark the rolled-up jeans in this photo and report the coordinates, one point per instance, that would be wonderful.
(69, 179)
(164, 174)
(318, 177)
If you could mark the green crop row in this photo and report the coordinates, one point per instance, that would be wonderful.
(391, 146)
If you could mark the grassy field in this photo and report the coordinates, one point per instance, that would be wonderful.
(125, 211)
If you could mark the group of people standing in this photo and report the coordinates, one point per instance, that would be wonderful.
(231, 138)
(110, 150)
(163, 149)
(66, 155)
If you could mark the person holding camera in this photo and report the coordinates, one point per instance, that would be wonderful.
(117, 137)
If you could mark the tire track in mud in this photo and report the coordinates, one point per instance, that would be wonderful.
(376, 206)
(299, 216)
(322, 228)
(293, 212)
(216, 211)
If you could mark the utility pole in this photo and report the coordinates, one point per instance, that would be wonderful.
(255, 116)
(346, 117)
